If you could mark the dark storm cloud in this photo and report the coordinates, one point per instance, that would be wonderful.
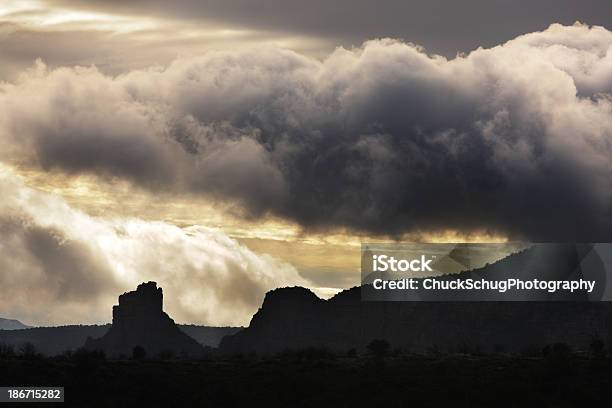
(383, 139)
(442, 26)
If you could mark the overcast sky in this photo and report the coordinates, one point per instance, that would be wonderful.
(442, 26)
(126, 34)
(264, 140)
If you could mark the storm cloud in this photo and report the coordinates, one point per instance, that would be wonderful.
(384, 138)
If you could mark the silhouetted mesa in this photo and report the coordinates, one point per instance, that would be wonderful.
(294, 318)
(138, 320)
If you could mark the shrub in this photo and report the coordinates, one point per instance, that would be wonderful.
(139, 353)
(6, 351)
(597, 347)
(379, 347)
(167, 354)
(28, 350)
(88, 360)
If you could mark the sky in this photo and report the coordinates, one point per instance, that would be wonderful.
(227, 148)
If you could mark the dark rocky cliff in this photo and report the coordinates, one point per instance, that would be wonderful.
(345, 322)
(138, 320)
(294, 318)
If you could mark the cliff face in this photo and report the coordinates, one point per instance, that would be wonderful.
(140, 309)
(288, 318)
(139, 320)
(345, 322)
(294, 318)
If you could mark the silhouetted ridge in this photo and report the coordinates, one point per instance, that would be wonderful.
(285, 319)
(290, 296)
(293, 318)
(138, 320)
(11, 324)
(52, 341)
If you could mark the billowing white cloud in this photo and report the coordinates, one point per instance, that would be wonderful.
(59, 265)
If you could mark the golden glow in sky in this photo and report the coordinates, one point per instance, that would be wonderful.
(317, 254)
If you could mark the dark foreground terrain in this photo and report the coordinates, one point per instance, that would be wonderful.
(552, 377)
(56, 340)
